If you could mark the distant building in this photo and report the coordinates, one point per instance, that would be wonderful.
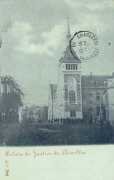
(108, 100)
(35, 114)
(93, 87)
(75, 95)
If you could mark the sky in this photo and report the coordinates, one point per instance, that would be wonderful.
(33, 34)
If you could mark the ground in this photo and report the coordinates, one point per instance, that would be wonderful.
(54, 134)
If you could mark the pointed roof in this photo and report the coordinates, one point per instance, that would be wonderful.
(68, 35)
(69, 57)
(68, 29)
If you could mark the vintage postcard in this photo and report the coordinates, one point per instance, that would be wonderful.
(56, 89)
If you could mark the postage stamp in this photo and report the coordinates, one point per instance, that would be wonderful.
(85, 44)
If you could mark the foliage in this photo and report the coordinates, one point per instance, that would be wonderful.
(11, 99)
(56, 134)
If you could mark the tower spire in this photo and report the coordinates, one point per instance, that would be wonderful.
(68, 35)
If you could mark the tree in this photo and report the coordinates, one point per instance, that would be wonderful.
(11, 99)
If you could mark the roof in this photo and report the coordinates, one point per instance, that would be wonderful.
(94, 80)
(112, 85)
(32, 108)
(69, 57)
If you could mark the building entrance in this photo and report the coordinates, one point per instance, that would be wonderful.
(72, 113)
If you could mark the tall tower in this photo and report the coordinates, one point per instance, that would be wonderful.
(68, 34)
(69, 96)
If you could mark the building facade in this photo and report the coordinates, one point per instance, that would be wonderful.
(108, 100)
(34, 114)
(93, 87)
(65, 97)
(75, 95)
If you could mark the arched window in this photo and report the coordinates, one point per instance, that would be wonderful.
(72, 97)
(72, 89)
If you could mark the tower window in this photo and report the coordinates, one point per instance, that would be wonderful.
(72, 96)
(71, 66)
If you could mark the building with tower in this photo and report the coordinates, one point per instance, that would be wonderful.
(75, 95)
(65, 98)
